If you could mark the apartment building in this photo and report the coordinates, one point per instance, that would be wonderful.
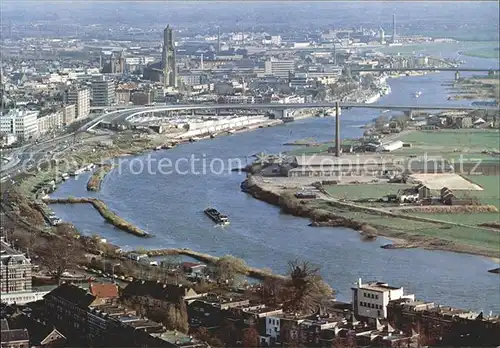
(93, 319)
(80, 97)
(68, 114)
(50, 122)
(21, 123)
(103, 91)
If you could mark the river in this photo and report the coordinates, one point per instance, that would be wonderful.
(171, 207)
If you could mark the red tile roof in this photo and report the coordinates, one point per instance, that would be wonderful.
(104, 290)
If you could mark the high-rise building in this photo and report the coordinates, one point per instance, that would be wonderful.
(393, 28)
(279, 67)
(80, 97)
(168, 58)
(69, 114)
(381, 35)
(21, 123)
(103, 91)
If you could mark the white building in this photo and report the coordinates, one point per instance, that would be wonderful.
(21, 123)
(274, 40)
(7, 139)
(103, 91)
(68, 114)
(81, 98)
(50, 122)
(279, 67)
(392, 146)
(370, 300)
(273, 327)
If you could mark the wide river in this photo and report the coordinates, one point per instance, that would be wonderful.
(171, 207)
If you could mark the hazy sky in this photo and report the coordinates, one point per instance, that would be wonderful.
(448, 16)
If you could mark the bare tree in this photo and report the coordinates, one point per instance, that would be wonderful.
(228, 270)
(272, 291)
(58, 256)
(305, 289)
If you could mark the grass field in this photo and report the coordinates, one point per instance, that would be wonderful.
(483, 53)
(451, 144)
(491, 188)
(460, 139)
(462, 218)
(398, 227)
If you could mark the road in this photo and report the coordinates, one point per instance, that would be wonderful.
(23, 156)
(122, 113)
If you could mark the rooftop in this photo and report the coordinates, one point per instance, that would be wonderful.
(104, 290)
(346, 160)
(177, 338)
(376, 286)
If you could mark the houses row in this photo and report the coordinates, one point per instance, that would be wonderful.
(25, 125)
(379, 315)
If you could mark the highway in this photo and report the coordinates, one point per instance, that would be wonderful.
(29, 153)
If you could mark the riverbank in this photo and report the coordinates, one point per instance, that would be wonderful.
(95, 180)
(327, 213)
(252, 272)
(477, 87)
(104, 211)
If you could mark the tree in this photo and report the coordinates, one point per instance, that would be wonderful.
(251, 337)
(380, 121)
(272, 291)
(228, 270)
(58, 256)
(174, 316)
(228, 333)
(305, 289)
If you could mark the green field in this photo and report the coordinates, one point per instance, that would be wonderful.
(483, 53)
(451, 144)
(462, 218)
(399, 227)
(491, 189)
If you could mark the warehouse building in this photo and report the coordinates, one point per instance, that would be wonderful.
(355, 165)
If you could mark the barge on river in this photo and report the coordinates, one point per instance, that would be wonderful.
(216, 216)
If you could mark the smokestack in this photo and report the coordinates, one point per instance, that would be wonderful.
(218, 39)
(393, 28)
(201, 62)
(337, 129)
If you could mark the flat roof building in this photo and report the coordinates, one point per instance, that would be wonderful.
(350, 165)
(370, 300)
(21, 123)
(80, 97)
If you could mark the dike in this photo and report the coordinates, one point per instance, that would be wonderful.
(105, 212)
